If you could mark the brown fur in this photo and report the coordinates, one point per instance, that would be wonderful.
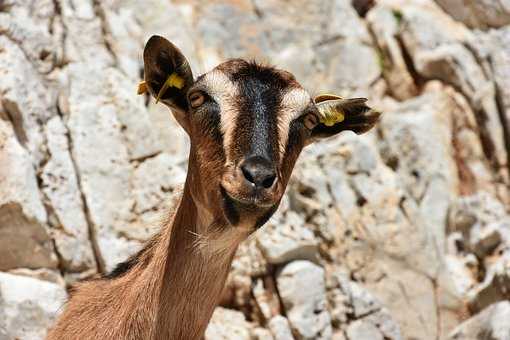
(153, 300)
(169, 290)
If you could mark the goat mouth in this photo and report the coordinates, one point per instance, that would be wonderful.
(252, 201)
(232, 208)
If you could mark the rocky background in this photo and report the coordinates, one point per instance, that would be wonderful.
(400, 234)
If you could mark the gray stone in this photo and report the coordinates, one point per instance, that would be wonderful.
(385, 26)
(267, 299)
(287, 239)
(356, 310)
(230, 30)
(360, 301)
(42, 274)
(491, 323)
(425, 168)
(360, 330)
(280, 328)
(97, 158)
(28, 306)
(102, 159)
(443, 49)
(492, 49)
(27, 106)
(227, 324)
(483, 242)
(25, 240)
(302, 290)
(60, 186)
(385, 324)
(156, 182)
(354, 73)
(260, 333)
(32, 34)
(460, 269)
(481, 209)
(82, 34)
(478, 14)
(495, 286)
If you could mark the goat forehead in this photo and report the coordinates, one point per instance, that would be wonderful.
(219, 85)
(257, 106)
(237, 87)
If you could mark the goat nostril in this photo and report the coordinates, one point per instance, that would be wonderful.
(268, 182)
(259, 172)
(247, 175)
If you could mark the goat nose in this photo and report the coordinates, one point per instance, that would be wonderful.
(258, 171)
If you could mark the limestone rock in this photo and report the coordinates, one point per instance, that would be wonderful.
(359, 330)
(60, 185)
(28, 306)
(478, 14)
(492, 48)
(495, 286)
(101, 158)
(280, 328)
(287, 239)
(32, 34)
(410, 222)
(425, 167)
(227, 324)
(42, 274)
(358, 312)
(355, 72)
(82, 34)
(25, 241)
(27, 106)
(260, 333)
(156, 183)
(266, 298)
(443, 49)
(462, 270)
(491, 323)
(385, 26)
(358, 300)
(302, 290)
(478, 209)
(223, 28)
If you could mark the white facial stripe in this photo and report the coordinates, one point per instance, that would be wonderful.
(224, 92)
(292, 104)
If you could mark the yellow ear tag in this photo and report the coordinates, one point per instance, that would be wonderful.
(330, 113)
(142, 87)
(174, 80)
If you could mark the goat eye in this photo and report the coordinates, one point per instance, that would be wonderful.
(196, 99)
(310, 120)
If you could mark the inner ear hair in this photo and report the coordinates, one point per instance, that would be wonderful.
(167, 74)
(338, 114)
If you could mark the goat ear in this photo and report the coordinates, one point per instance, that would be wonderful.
(338, 114)
(167, 73)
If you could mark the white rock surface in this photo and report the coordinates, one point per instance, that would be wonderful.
(60, 185)
(302, 290)
(359, 330)
(227, 324)
(491, 323)
(101, 157)
(478, 14)
(24, 234)
(413, 217)
(28, 306)
(280, 328)
(287, 239)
